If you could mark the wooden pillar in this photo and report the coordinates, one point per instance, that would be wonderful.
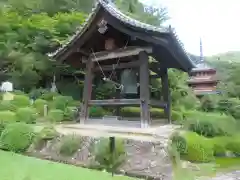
(87, 91)
(144, 89)
(166, 93)
(118, 95)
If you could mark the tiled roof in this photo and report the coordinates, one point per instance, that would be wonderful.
(114, 11)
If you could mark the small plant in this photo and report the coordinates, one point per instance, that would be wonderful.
(106, 159)
(69, 145)
(46, 134)
(16, 137)
(27, 115)
(56, 115)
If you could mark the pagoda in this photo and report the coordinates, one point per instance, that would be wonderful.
(203, 78)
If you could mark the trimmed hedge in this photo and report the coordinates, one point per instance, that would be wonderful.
(56, 115)
(233, 145)
(193, 147)
(7, 117)
(135, 112)
(220, 145)
(209, 124)
(7, 106)
(70, 113)
(39, 105)
(21, 101)
(48, 96)
(96, 111)
(16, 137)
(61, 102)
(27, 115)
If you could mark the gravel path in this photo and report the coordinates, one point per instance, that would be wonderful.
(235, 175)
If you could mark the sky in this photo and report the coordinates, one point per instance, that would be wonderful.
(217, 22)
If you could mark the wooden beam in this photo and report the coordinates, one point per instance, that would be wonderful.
(119, 53)
(166, 93)
(87, 91)
(131, 64)
(144, 89)
(83, 52)
(114, 102)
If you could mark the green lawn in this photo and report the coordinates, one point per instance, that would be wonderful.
(18, 167)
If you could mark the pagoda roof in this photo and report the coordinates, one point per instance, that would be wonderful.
(202, 67)
(165, 38)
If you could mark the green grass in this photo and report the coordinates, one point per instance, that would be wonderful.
(227, 163)
(18, 167)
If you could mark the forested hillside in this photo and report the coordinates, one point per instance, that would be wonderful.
(31, 29)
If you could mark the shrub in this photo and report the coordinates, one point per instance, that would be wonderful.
(136, 112)
(96, 111)
(70, 113)
(61, 102)
(189, 102)
(21, 101)
(56, 115)
(209, 103)
(46, 134)
(36, 93)
(48, 96)
(193, 147)
(106, 159)
(233, 145)
(219, 145)
(156, 113)
(39, 105)
(7, 117)
(69, 145)
(209, 124)
(130, 111)
(27, 115)
(176, 116)
(7, 106)
(16, 137)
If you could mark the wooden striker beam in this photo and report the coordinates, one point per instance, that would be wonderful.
(119, 53)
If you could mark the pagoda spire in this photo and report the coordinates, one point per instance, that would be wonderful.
(201, 52)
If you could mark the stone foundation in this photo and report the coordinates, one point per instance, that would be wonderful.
(144, 159)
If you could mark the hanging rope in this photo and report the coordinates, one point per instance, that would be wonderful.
(109, 79)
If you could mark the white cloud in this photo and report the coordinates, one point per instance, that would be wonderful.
(215, 21)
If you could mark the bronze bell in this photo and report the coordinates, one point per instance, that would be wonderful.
(129, 81)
